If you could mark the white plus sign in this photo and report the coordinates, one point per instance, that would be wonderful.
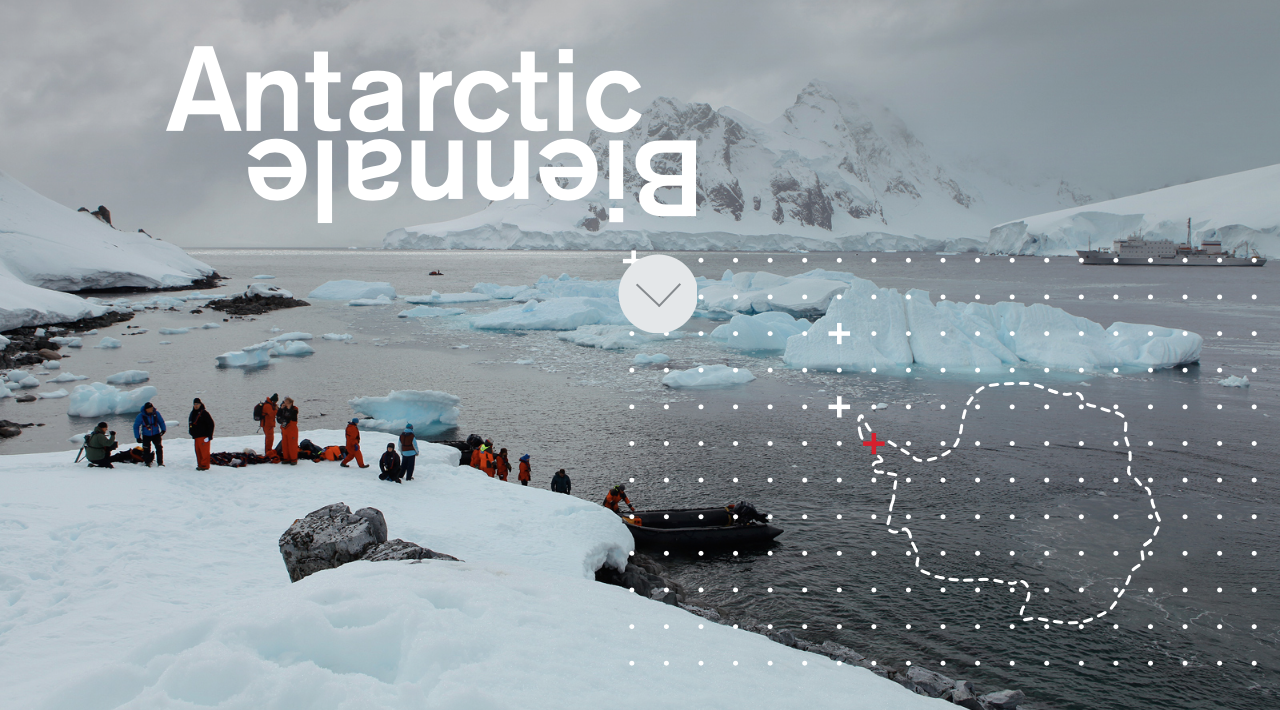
(839, 334)
(632, 260)
(839, 406)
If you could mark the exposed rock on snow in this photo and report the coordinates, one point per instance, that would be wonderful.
(348, 290)
(129, 377)
(333, 536)
(256, 300)
(832, 173)
(1234, 381)
(98, 399)
(1237, 209)
(708, 376)
(429, 412)
(614, 337)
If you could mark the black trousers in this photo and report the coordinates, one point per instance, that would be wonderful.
(406, 467)
(147, 441)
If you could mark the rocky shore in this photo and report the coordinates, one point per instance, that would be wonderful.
(646, 577)
(32, 345)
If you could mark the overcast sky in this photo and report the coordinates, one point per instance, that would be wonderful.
(1116, 95)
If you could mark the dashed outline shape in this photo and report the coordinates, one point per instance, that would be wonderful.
(1142, 555)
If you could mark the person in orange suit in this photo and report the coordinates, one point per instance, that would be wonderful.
(268, 421)
(353, 446)
(287, 418)
(616, 495)
(477, 455)
(200, 426)
(502, 465)
(524, 470)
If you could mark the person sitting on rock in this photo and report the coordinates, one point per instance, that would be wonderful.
(98, 449)
(616, 495)
(390, 465)
(560, 483)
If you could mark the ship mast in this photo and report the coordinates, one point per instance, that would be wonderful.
(1188, 232)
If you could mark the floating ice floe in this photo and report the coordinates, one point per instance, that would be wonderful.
(264, 276)
(174, 331)
(882, 405)
(379, 301)
(98, 399)
(499, 292)
(52, 365)
(165, 342)
(436, 297)
(21, 378)
(806, 294)
(65, 341)
(430, 412)
(654, 359)
(762, 332)
(210, 326)
(524, 361)
(257, 355)
(708, 376)
(1234, 381)
(294, 348)
(430, 312)
(67, 377)
(107, 343)
(614, 337)
(349, 290)
(129, 377)
(337, 336)
(567, 313)
(56, 394)
(296, 335)
(267, 291)
(872, 329)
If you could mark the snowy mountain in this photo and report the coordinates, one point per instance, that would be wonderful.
(831, 173)
(1239, 209)
(46, 248)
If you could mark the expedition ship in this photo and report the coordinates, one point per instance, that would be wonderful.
(1135, 250)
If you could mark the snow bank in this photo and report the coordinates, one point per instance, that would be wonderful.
(337, 336)
(430, 312)
(1238, 209)
(107, 343)
(654, 359)
(129, 377)
(567, 313)
(762, 332)
(68, 377)
(708, 376)
(1234, 381)
(347, 290)
(98, 399)
(267, 291)
(296, 335)
(379, 301)
(429, 412)
(436, 297)
(976, 337)
(614, 337)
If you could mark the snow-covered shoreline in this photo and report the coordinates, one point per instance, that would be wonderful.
(164, 587)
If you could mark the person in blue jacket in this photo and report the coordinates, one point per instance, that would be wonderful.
(148, 429)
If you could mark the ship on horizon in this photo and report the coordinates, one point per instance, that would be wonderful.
(1136, 250)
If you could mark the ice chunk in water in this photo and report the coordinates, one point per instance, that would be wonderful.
(68, 377)
(292, 336)
(614, 337)
(430, 312)
(129, 377)
(654, 359)
(1234, 381)
(429, 412)
(98, 399)
(346, 290)
(766, 331)
(379, 301)
(107, 343)
(708, 376)
(566, 313)
(337, 336)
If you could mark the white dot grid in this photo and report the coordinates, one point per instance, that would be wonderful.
(1129, 455)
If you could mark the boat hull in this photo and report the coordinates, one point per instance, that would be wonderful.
(683, 529)
(1106, 258)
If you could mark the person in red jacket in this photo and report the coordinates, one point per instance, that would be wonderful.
(502, 465)
(616, 495)
(200, 426)
(287, 417)
(268, 422)
(524, 470)
(353, 446)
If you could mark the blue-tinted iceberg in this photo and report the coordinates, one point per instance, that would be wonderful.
(347, 290)
(565, 313)
(614, 337)
(708, 376)
(129, 377)
(99, 399)
(429, 412)
(762, 332)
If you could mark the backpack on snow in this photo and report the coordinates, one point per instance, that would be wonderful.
(257, 412)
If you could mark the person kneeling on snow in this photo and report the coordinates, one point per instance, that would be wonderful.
(390, 465)
(98, 449)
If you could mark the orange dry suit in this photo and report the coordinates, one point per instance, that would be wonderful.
(615, 497)
(269, 425)
(353, 446)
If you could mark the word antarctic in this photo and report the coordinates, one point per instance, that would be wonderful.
(204, 62)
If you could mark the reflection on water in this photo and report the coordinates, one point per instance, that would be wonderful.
(774, 442)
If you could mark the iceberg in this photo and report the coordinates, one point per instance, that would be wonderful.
(264, 276)
(614, 337)
(348, 290)
(806, 294)
(52, 365)
(129, 377)
(174, 331)
(257, 355)
(379, 301)
(292, 336)
(294, 348)
(708, 376)
(22, 379)
(107, 343)
(654, 359)
(210, 326)
(870, 329)
(436, 297)
(99, 399)
(429, 412)
(1234, 381)
(430, 312)
(67, 377)
(763, 332)
(498, 292)
(66, 342)
(56, 394)
(337, 336)
(567, 313)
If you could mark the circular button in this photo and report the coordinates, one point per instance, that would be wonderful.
(658, 294)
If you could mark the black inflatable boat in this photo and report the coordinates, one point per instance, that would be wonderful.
(700, 528)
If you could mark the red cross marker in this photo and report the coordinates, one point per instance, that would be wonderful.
(873, 443)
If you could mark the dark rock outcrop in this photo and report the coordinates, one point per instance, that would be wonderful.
(333, 536)
(246, 305)
(644, 576)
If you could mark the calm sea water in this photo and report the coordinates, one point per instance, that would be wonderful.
(1196, 627)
